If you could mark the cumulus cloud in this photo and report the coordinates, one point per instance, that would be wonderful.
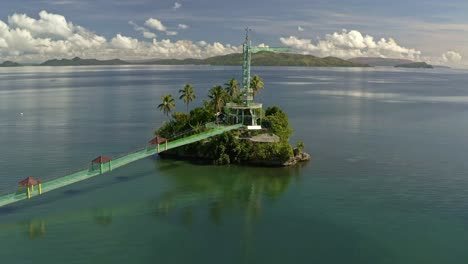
(27, 39)
(182, 26)
(177, 5)
(144, 31)
(48, 25)
(347, 44)
(122, 42)
(155, 24)
(451, 57)
(299, 28)
(158, 25)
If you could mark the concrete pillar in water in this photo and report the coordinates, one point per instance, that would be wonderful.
(100, 168)
(110, 165)
(28, 193)
(40, 188)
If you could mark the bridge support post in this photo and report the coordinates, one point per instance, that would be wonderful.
(158, 148)
(166, 145)
(40, 188)
(28, 193)
(100, 168)
(110, 165)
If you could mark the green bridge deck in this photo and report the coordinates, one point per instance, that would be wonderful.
(116, 163)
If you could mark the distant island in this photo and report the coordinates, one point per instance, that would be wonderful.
(263, 58)
(376, 61)
(10, 64)
(422, 65)
(83, 62)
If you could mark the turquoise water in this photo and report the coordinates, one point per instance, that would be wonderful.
(387, 182)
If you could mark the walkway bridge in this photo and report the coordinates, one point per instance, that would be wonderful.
(123, 160)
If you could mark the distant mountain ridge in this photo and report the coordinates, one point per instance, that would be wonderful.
(83, 62)
(264, 58)
(415, 65)
(10, 64)
(375, 61)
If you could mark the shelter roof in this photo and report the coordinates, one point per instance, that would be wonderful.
(101, 159)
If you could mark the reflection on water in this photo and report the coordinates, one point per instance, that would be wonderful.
(103, 217)
(33, 229)
(213, 194)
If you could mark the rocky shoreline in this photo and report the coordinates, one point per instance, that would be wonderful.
(298, 158)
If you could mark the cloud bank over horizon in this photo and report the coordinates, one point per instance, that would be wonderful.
(349, 44)
(27, 39)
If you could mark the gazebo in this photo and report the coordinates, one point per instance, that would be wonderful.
(157, 141)
(101, 160)
(29, 183)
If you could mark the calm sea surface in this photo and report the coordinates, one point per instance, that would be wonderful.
(388, 180)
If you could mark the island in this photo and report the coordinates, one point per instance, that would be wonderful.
(77, 61)
(263, 58)
(10, 64)
(261, 137)
(263, 141)
(422, 65)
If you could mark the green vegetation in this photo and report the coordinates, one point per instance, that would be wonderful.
(187, 94)
(415, 65)
(232, 88)
(256, 83)
(232, 147)
(167, 104)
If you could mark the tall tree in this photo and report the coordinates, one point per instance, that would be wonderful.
(232, 88)
(187, 94)
(168, 103)
(256, 83)
(218, 97)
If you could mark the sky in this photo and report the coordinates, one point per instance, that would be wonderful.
(37, 30)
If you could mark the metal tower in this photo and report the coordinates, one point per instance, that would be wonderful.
(248, 112)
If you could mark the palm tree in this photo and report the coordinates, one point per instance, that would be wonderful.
(187, 94)
(232, 87)
(218, 97)
(256, 83)
(167, 104)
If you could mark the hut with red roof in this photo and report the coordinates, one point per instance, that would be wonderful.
(101, 160)
(29, 183)
(157, 141)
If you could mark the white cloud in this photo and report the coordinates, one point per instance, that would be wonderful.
(158, 25)
(177, 5)
(155, 24)
(26, 39)
(182, 26)
(351, 44)
(451, 57)
(299, 28)
(48, 25)
(146, 33)
(122, 42)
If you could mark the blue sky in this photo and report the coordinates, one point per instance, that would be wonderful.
(430, 28)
